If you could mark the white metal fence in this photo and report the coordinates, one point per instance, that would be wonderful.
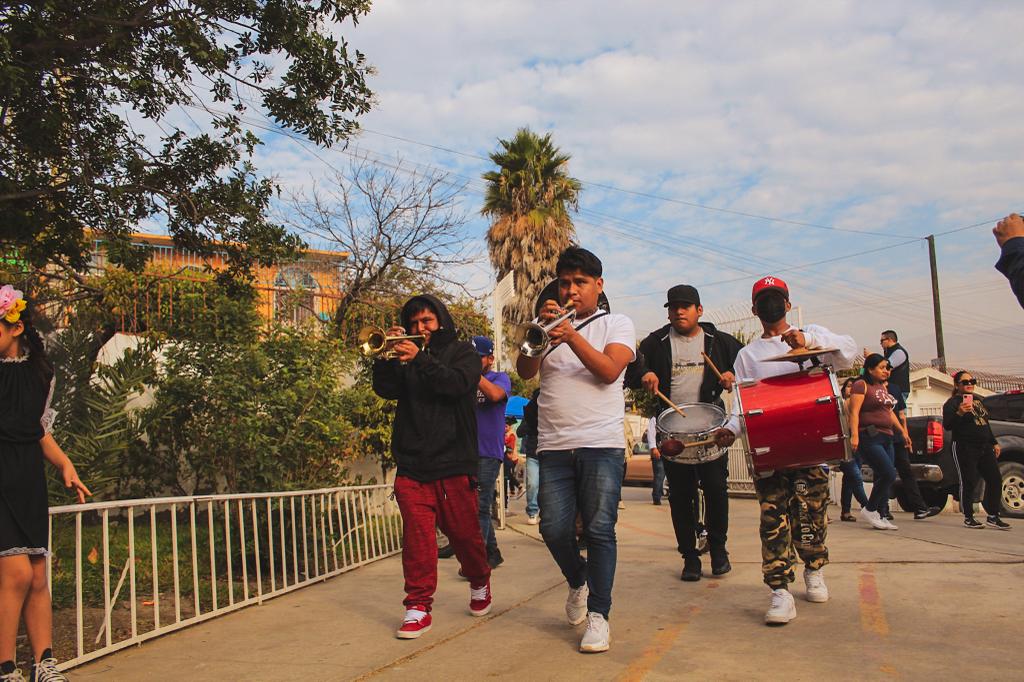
(126, 571)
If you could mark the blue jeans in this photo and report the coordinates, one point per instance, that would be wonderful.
(658, 465)
(532, 485)
(588, 481)
(487, 479)
(853, 484)
(877, 452)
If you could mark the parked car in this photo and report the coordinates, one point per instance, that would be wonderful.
(639, 471)
(931, 445)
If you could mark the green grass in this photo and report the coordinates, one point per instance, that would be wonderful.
(63, 587)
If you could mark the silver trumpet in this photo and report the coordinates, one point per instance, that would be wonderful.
(534, 335)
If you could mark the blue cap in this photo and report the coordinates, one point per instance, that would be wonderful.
(483, 345)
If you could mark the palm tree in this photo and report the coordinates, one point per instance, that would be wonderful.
(528, 200)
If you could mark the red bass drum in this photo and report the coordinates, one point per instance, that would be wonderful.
(793, 421)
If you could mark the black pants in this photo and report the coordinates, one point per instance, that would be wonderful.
(907, 480)
(972, 459)
(682, 481)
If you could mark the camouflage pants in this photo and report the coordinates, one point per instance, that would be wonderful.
(793, 505)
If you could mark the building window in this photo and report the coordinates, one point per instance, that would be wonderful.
(295, 294)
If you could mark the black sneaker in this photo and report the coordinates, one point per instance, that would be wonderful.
(720, 562)
(972, 522)
(494, 559)
(691, 569)
(888, 516)
(925, 513)
(656, 503)
(996, 522)
(46, 669)
(9, 672)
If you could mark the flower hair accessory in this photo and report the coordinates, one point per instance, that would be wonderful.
(12, 302)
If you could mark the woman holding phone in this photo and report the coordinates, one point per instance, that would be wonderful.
(975, 451)
(872, 423)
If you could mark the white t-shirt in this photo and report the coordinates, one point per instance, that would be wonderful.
(687, 366)
(751, 363)
(575, 408)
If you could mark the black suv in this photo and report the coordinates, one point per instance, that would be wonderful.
(931, 445)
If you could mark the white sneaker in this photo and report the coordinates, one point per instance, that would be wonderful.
(576, 604)
(782, 608)
(532, 520)
(814, 581)
(874, 518)
(889, 525)
(597, 636)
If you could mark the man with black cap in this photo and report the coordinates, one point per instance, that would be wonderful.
(492, 394)
(793, 501)
(671, 360)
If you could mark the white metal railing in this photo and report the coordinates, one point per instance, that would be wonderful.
(197, 558)
(740, 480)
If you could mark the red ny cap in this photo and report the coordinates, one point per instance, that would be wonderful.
(769, 283)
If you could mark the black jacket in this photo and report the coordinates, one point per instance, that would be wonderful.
(655, 355)
(434, 432)
(972, 427)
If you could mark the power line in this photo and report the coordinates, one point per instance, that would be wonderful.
(683, 202)
(471, 182)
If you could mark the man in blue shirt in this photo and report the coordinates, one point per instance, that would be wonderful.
(491, 396)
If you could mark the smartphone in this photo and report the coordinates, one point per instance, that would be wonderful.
(968, 400)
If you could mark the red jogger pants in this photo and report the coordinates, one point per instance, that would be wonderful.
(451, 505)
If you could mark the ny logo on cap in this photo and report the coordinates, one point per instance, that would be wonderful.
(769, 281)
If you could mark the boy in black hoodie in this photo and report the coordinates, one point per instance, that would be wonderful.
(434, 443)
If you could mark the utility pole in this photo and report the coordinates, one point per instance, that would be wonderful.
(940, 346)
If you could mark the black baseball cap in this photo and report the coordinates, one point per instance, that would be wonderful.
(682, 293)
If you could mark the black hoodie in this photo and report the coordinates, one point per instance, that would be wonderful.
(434, 432)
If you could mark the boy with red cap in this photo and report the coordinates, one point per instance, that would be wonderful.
(792, 497)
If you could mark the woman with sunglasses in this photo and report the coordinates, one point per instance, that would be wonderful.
(975, 451)
(872, 423)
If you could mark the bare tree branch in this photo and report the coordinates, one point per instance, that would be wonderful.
(392, 224)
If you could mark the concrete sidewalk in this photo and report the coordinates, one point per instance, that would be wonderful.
(931, 600)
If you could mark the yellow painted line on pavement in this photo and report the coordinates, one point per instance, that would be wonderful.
(660, 644)
(872, 615)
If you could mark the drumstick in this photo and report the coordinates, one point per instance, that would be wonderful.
(711, 364)
(698, 443)
(670, 403)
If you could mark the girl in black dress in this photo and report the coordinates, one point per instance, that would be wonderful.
(26, 388)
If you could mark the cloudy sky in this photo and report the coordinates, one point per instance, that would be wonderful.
(720, 141)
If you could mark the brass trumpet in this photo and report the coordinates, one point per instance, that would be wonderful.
(375, 342)
(534, 335)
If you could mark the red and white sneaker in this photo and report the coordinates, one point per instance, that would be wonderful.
(417, 621)
(480, 599)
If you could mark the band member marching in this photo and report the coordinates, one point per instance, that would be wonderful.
(671, 360)
(789, 498)
(434, 443)
(580, 445)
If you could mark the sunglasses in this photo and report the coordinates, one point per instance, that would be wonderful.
(969, 382)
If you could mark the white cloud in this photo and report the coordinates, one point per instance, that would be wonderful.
(902, 119)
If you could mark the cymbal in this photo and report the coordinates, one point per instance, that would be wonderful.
(801, 354)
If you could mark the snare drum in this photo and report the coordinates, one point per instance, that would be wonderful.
(793, 421)
(690, 439)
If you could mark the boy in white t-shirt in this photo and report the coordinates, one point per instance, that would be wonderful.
(580, 438)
